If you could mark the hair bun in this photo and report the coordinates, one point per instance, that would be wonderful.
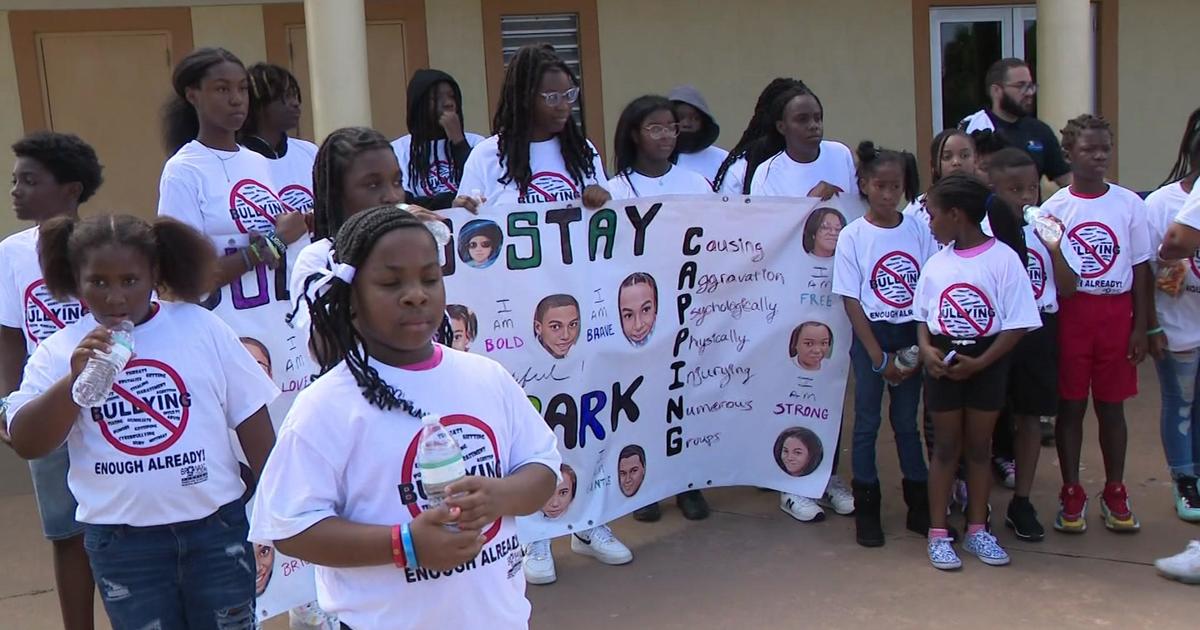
(866, 151)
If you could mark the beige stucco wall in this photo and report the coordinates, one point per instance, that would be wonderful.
(238, 28)
(1158, 86)
(455, 47)
(11, 126)
(731, 50)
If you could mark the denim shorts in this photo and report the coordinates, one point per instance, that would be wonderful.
(55, 502)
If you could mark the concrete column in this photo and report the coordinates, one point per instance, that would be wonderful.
(336, 31)
(1066, 63)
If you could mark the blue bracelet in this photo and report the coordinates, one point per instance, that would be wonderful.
(410, 551)
(882, 365)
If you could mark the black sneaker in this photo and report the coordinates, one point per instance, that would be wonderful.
(692, 504)
(648, 514)
(1022, 519)
(1047, 425)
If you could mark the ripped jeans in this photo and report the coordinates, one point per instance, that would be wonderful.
(1178, 376)
(196, 574)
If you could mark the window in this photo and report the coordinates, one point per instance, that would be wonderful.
(558, 30)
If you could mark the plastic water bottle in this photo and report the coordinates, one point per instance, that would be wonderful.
(97, 378)
(1046, 226)
(439, 458)
(906, 359)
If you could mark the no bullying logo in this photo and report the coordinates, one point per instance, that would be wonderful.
(45, 315)
(147, 411)
(894, 279)
(254, 207)
(549, 186)
(296, 198)
(439, 179)
(1096, 246)
(1035, 266)
(964, 312)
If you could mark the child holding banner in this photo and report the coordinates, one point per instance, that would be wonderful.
(153, 467)
(974, 302)
(385, 557)
(644, 145)
(275, 110)
(1103, 327)
(54, 173)
(731, 176)
(876, 266)
(539, 153)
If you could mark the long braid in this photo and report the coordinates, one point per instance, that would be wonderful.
(333, 159)
(757, 127)
(513, 121)
(1189, 146)
(425, 132)
(772, 142)
(333, 316)
(268, 83)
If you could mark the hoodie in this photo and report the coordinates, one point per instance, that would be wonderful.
(701, 156)
(423, 81)
(710, 130)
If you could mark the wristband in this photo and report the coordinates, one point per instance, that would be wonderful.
(246, 259)
(277, 244)
(1155, 331)
(410, 550)
(882, 365)
(271, 246)
(398, 556)
(254, 253)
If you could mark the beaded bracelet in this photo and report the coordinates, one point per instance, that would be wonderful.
(277, 244)
(1155, 331)
(410, 550)
(398, 556)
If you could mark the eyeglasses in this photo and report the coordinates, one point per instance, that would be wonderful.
(554, 99)
(479, 244)
(658, 132)
(1024, 88)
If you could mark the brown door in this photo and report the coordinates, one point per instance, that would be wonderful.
(109, 88)
(387, 75)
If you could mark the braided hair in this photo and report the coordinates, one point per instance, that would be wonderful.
(772, 141)
(268, 83)
(333, 316)
(425, 128)
(329, 171)
(1079, 124)
(513, 122)
(1189, 151)
(758, 126)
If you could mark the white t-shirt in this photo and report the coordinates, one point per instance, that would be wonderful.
(734, 178)
(982, 295)
(917, 210)
(1189, 214)
(1040, 267)
(312, 259)
(293, 174)
(676, 181)
(1179, 316)
(879, 266)
(1107, 234)
(551, 181)
(705, 161)
(440, 178)
(158, 450)
(25, 302)
(226, 195)
(781, 176)
(337, 455)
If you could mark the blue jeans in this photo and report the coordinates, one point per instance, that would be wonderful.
(197, 575)
(56, 504)
(868, 407)
(1178, 375)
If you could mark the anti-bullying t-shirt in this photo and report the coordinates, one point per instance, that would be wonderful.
(1107, 237)
(440, 177)
(735, 176)
(226, 195)
(880, 266)
(1039, 266)
(25, 302)
(158, 450)
(676, 181)
(293, 173)
(966, 295)
(551, 181)
(781, 176)
(339, 456)
(1178, 315)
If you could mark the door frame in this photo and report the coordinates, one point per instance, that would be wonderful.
(25, 26)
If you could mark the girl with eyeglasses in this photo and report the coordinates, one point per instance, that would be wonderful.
(645, 142)
(539, 153)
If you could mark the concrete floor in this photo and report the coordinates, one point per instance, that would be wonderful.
(751, 566)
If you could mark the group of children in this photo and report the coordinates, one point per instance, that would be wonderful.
(282, 240)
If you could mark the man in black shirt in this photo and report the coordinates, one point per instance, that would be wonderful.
(1011, 88)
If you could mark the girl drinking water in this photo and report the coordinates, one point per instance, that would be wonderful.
(153, 467)
(974, 302)
(339, 491)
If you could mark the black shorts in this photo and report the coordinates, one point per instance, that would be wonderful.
(1033, 375)
(985, 391)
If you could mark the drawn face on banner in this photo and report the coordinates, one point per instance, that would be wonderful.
(556, 324)
(259, 352)
(811, 343)
(631, 469)
(564, 493)
(638, 300)
(821, 232)
(479, 243)
(795, 456)
(480, 249)
(462, 340)
(264, 564)
(798, 451)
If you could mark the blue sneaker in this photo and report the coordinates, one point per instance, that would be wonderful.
(942, 556)
(985, 547)
(1187, 499)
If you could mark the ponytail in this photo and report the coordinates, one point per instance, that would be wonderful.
(1005, 226)
(54, 255)
(971, 196)
(185, 259)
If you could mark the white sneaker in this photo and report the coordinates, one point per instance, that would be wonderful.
(837, 496)
(800, 508)
(539, 563)
(311, 617)
(1184, 566)
(601, 544)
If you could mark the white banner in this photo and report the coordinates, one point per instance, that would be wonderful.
(672, 343)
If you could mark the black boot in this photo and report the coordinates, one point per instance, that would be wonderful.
(868, 530)
(692, 504)
(648, 514)
(916, 496)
